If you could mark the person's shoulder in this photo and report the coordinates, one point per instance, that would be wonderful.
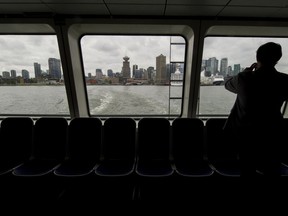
(282, 75)
(245, 74)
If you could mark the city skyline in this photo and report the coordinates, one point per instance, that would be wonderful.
(21, 51)
(242, 50)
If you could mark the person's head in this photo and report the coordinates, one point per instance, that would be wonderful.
(269, 54)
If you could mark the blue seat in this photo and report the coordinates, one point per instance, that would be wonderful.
(153, 157)
(15, 142)
(48, 151)
(118, 147)
(83, 147)
(115, 171)
(188, 147)
(222, 154)
(284, 149)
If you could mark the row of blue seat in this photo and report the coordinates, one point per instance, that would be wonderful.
(72, 155)
(119, 146)
(51, 144)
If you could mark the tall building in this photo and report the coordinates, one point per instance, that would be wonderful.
(224, 66)
(6, 74)
(110, 73)
(134, 69)
(126, 71)
(99, 73)
(161, 75)
(212, 65)
(37, 70)
(25, 74)
(150, 71)
(237, 69)
(54, 68)
(13, 73)
(229, 71)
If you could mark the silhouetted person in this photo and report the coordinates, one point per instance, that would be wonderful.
(255, 123)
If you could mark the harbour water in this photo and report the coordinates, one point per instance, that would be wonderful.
(112, 100)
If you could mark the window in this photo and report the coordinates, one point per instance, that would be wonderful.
(31, 79)
(224, 57)
(134, 75)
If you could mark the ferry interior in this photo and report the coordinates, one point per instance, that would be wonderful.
(125, 99)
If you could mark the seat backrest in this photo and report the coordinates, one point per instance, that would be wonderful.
(188, 139)
(84, 139)
(119, 138)
(153, 139)
(16, 139)
(284, 145)
(50, 137)
(218, 146)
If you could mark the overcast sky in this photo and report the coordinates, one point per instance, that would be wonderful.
(242, 50)
(142, 51)
(20, 52)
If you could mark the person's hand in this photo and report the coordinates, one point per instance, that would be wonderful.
(252, 67)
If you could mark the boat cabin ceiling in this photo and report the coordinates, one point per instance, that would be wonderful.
(158, 8)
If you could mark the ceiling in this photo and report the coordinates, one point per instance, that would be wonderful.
(161, 8)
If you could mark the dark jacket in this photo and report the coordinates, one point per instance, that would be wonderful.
(260, 96)
(255, 125)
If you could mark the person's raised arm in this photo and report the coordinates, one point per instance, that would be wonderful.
(231, 84)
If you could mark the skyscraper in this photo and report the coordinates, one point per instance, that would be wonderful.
(110, 73)
(54, 68)
(237, 69)
(126, 71)
(99, 73)
(25, 74)
(37, 70)
(161, 75)
(135, 68)
(13, 73)
(224, 66)
(212, 65)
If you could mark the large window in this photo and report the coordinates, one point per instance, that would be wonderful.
(134, 75)
(31, 79)
(224, 57)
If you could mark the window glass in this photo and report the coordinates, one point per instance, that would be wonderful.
(31, 79)
(224, 57)
(134, 75)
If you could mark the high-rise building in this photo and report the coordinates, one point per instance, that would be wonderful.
(110, 73)
(25, 74)
(212, 65)
(99, 73)
(150, 71)
(224, 66)
(13, 73)
(161, 75)
(6, 74)
(237, 69)
(229, 71)
(134, 69)
(54, 68)
(126, 70)
(37, 70)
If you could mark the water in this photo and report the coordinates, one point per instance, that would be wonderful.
(42, 100)
(131, 100)
(215, 100)
(111, 100)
